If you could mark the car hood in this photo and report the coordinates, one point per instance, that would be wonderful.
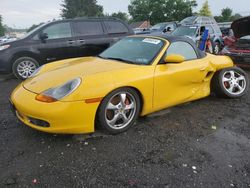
(58, 73)
(241, 27)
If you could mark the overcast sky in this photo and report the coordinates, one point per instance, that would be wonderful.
(24, 13)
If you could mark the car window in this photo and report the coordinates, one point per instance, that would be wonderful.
(217, 29)
(182, 48)
(59, 30)
(83, 28)
(115, 27)
(210, 29)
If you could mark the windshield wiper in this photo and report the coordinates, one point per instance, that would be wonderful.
(118, 59)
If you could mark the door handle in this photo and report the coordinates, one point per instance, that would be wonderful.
(71, 41)
(81, 41)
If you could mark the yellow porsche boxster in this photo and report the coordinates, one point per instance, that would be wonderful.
(136, 76)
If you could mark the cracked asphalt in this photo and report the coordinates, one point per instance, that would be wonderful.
(205, 143)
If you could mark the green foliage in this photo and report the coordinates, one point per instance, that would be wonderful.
(160, 10)
(205, 10)
(2, 30)
(81, 8)
(33, 27)
(121, 15)
(227, 16)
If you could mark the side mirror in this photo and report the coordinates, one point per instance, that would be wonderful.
(43, 36)
(174, 58)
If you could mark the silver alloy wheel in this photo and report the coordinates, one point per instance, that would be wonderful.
(120, 110)
(234, 82)
(26, 68)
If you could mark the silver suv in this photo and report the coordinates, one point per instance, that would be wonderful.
(193, 27)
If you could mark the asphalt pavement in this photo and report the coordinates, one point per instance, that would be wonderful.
(205, 143)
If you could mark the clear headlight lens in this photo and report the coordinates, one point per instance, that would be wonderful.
(3, 47)
(54, 94)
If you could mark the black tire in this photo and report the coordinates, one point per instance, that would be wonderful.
(102, 113)
(18, 62)
(216, 48)
(221, 88)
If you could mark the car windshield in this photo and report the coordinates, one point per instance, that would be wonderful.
(189, 20)
(159, 26)
(134, 50)
(185, 31)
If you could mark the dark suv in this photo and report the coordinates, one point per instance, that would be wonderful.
(60, 40)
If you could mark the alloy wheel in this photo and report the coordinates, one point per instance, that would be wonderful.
(234, 82)
(120, 110)
(26, 68)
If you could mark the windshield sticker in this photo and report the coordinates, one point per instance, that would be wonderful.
(151, 41)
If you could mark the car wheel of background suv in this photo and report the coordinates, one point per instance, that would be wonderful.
(23, 67)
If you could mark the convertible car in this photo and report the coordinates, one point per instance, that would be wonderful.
(136, 76)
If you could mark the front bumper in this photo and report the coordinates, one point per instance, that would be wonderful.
(5, 62)
(61, 117)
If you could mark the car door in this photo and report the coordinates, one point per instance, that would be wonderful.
(176, 83)
(59, 44)
(90, 37)
(115, 30)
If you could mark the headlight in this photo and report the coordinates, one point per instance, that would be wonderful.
(55, 94)
(36, 72)
(3, 47)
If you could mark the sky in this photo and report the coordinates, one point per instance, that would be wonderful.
(24, 13)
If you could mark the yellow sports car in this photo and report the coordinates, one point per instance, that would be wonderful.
(136, 76)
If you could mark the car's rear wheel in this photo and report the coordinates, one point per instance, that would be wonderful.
(230, 83)
(23, 67)
(119, 110)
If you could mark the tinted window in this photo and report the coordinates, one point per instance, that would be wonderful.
(182, 48)
(115, 27)
(185, 30)
(59, 30)
(82, 28)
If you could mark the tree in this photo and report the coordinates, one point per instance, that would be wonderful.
(205, 9)
(121, 15)
(81, 8)
(227, 15)
(2, 30)
(160, 10)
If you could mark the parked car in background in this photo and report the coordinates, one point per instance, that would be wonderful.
(140, 31)
(239, 47)
(5, 39)
(163, 28)
(60, 40)
(194, 26)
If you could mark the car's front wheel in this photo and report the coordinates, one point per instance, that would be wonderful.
(230, 83)
(23, 67)
(119, 110)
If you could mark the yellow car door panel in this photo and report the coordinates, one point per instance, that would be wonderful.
(178, 83)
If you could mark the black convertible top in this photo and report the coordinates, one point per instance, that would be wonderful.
(172, 39)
